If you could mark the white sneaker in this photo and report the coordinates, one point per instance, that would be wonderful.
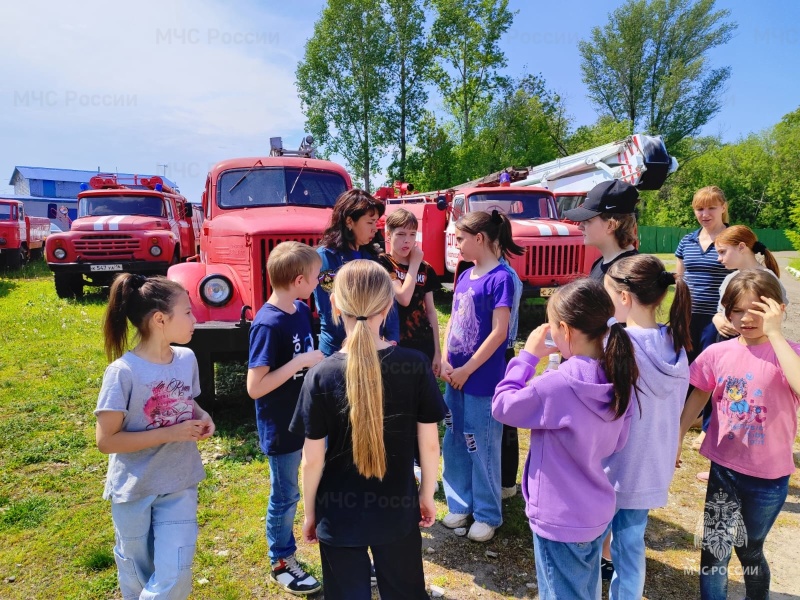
(508, 492)
(454, 521)
(480, 532)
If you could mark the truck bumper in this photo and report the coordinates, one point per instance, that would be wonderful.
(135, 266)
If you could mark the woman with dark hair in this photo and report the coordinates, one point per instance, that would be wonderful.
(348, 237)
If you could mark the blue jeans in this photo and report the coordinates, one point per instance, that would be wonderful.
(627, 551)
(283, 498)
(471, 455)
(568, 570)
(743, 505)
(155, 544)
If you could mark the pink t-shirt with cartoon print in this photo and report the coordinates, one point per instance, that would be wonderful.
(754, 422)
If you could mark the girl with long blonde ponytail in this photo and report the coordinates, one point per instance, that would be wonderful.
(361, 410)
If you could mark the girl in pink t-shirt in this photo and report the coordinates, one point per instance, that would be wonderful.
(754, 385)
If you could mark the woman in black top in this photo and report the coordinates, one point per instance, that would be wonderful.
(372, 402)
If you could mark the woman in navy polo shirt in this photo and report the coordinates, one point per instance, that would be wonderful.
(698, 265)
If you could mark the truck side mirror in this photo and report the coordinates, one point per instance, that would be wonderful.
(188, 210)
(441, 203)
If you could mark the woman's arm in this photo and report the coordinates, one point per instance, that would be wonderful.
(313, 464)
(498, 337)
(428, 441)
(679, 268)
(111, 439)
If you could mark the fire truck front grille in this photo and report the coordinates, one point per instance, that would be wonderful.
(554, 261)
(266, 245)
(105, 246)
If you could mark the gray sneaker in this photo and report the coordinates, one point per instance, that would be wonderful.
(288, 574)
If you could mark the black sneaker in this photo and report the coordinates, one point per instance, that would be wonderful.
(606, 569)
(288, 574)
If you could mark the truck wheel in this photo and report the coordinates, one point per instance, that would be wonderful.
(37, 253)
(15, 259)
(69, 285)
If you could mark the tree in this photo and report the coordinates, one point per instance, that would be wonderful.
(604, 131)
(432, 162)
(467, 33)
(648, 65)
(343, 81)
(409, 72)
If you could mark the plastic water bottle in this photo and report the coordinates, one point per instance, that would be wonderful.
(555, 360)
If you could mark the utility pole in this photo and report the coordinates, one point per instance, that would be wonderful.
(164, 167)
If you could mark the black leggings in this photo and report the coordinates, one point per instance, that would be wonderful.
(398, 567)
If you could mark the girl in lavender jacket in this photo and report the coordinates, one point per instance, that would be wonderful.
(641, 472)
(578, 415)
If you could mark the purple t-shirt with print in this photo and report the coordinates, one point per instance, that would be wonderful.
(474, 301)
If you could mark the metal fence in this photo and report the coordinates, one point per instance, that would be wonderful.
(664, 240)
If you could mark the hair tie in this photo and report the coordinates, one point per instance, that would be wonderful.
(137, 281)
(496, 218)
(666, 279)
(759, 248)
(611, 321)
(361, 318)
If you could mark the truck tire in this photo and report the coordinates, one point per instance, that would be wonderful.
(15, 259)
(69, 285)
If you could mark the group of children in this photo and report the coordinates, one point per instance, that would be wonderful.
(360, 412)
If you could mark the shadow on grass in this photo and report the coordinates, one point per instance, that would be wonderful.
(792, 504)
(665, 535)
(6, 285)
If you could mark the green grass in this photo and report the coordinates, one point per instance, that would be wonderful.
(795, 263)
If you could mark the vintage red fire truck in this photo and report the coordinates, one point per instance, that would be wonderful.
(136, 225)
(251, 205)
(21, 237)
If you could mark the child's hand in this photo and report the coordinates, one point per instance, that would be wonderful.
(309, 359)
(208, 427)
(436, 366)
(427, 510)
(772, 314)
(535, 342)
(190, 430)
(310, 530)
(415, 256)
(445, 370)
(458, 377)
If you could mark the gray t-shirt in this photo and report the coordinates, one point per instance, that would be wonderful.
(151, 396)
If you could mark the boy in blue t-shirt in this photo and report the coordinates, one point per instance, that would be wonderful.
(281, 350)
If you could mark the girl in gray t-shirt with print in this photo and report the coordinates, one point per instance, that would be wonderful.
(149, 424)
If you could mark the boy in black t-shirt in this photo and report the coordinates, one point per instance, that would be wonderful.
(281, 350)
(414, 282)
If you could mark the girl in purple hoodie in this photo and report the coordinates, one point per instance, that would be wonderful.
(578, 415)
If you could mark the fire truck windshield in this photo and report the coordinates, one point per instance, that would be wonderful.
(519, 205)
(5, 212)
(112, 204)
(278, 186)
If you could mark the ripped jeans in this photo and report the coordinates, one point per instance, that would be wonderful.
(156, 538)
(471, 454)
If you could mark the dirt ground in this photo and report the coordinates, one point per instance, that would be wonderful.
(462, 569)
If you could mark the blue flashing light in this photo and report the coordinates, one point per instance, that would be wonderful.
(505, 178)
(84, 187)
(159, 187)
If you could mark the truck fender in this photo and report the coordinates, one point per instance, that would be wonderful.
(191, 274)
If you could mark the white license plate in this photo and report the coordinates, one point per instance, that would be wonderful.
(547, 292)
(114, 267)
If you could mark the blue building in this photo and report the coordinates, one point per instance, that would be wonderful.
(53, 193)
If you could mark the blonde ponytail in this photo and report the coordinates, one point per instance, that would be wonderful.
(362, 289)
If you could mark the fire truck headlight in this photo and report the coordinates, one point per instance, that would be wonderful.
(155, 250)
(60, 253)
(216, 290)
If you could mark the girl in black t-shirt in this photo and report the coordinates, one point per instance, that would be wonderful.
(361, 410)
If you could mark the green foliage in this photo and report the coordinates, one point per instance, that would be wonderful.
(25, 514)
(467, 33)
(432, 162)
(604, 131)
(410, 61)
(648, 65)
(342, 82)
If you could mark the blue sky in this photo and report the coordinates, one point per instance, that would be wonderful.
(186, 84)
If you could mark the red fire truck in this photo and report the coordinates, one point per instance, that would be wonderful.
(250, 205)
(21, 237)
(137, 225)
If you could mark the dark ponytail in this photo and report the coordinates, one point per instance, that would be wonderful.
(645, 277)
(495, 226)
(585, 305)
(135, 298)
